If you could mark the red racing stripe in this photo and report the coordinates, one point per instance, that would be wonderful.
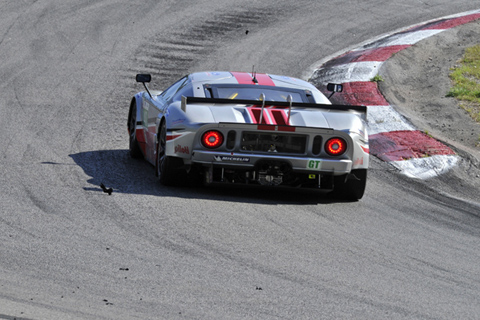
(270, 127)
(404, 145)
(172, 136)
(255, 114)
(278, 116)
(246, 78)
(271, 115)
(286, 128)
(139, 134)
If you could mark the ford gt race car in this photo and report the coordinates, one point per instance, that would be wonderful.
(248, 128)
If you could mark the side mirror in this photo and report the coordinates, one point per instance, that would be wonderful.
(333, 87)
(143, 77)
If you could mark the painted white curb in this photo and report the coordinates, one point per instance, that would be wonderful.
(386, 118)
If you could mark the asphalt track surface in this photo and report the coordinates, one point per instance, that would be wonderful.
(408, 249)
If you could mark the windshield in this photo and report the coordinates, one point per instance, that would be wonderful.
(254, 92)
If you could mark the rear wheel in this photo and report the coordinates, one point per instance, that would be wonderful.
(134, 147)
(351, 187)
(168, 169)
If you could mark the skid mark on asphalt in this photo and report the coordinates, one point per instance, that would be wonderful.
(170, 54)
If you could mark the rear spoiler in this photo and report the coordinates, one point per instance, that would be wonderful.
(362, 110)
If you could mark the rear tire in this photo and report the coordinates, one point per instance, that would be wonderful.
(168, 169)
(134, 147)
(353, 188)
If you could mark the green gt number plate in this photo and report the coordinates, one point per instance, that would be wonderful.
(314, 164)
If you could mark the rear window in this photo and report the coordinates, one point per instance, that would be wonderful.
(186, 90)
(253, 93)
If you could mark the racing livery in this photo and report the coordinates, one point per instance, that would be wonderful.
(248, 128)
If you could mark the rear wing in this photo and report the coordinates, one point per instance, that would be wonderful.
(360, 110)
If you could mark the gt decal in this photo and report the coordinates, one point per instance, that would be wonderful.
(314, 164)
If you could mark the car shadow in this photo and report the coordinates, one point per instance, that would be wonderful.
(117, 170)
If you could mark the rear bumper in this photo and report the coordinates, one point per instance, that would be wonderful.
(246, 161)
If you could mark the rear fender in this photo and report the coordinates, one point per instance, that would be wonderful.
(139, 128)
(361, 152)
(179, 141)
(139, 101)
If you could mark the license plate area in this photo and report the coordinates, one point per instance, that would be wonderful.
(273, 142)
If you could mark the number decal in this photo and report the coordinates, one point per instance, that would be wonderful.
(314, 164)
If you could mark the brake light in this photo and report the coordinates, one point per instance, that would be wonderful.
(336, 146)
(212, 139)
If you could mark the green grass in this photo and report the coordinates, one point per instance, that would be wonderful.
(377, 78)
(466, 82)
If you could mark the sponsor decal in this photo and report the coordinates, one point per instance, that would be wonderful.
(177, 121)
(314, 164)
(181, 149)
(358, 162)
(231, 158)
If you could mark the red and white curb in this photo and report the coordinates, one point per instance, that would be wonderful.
(392, 138)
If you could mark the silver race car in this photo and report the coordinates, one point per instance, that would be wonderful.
(248, 128)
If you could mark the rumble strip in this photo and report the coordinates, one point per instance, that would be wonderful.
(392, 138)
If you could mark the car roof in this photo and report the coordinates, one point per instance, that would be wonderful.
(246, 78)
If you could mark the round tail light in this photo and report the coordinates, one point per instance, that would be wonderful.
(336, 146)
(212, 139)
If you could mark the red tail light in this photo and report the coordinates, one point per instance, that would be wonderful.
(336, 146)
(212, 139)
